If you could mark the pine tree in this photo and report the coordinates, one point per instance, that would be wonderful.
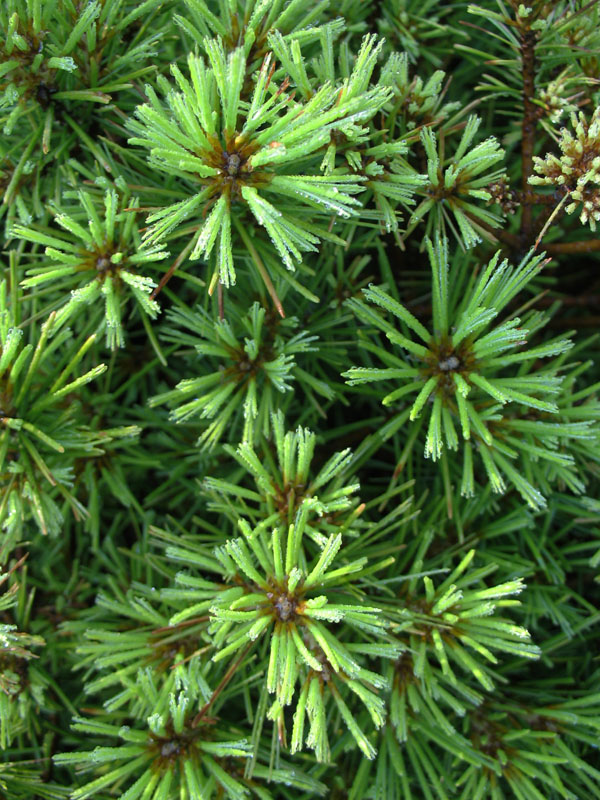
(300, 446)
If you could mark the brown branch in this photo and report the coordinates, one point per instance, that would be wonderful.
(548, 217)
(221, 302)
(537, 199)
(170, 272)
(580, 300)
(587, 321)
(180, 625)
(506, 237)
(530, 117)
(231, 670)
(585, 246)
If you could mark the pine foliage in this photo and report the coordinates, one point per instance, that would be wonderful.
(299, 393)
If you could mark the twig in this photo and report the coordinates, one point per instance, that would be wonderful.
(530, 116)
(224, 681)
(169, 273)
(589, 246)
(552, 217)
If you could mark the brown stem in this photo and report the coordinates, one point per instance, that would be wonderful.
(571, 301)
(180, 625)
(221, 302)
(507, 238)
(224, 681)
(538, 199)
(169, 273)
(261, 268)
(589, 246)
(544, 216)
(530, 115)
(587, 321)
(550, 216)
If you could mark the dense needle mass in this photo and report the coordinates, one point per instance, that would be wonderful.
(299, 399)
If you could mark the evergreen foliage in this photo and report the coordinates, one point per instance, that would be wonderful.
(299, 393)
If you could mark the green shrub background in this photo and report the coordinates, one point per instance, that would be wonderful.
(299, 444)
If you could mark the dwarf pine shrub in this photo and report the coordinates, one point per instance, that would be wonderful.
(300, 402)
